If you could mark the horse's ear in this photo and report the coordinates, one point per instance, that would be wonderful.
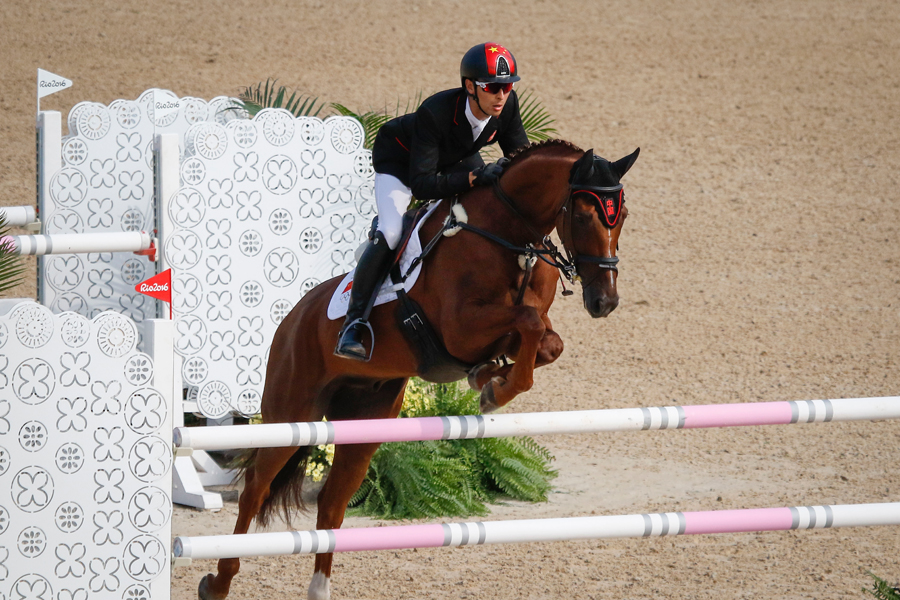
(583, 169)
(621, 166)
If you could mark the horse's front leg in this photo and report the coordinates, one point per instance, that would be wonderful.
(351, 462)
(499, 391)
(549, 350)
(551, 346)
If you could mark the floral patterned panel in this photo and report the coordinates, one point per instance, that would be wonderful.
(106, 184)
(85, 451)
(268, 209)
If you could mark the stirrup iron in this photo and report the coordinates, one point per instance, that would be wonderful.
(368, 356)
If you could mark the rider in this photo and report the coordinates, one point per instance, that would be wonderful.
(434, 153)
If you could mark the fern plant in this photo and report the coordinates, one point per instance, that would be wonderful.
(12, 268)
(450, 478)
(881, 589)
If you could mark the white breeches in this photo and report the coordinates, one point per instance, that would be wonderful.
(392, 199)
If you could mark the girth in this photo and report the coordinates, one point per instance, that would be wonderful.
(436, 364)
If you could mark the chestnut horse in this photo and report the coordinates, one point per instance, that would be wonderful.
(484, 300)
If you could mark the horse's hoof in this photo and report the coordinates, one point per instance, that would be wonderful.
(473, 376)
(488, 402)
(203, 592)
(319, 587)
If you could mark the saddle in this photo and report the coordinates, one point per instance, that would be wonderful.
(436, 364)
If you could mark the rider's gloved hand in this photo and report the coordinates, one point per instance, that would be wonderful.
(488, 174)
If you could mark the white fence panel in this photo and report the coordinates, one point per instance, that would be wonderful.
(268, 209)
(85, 457)
(105, 184)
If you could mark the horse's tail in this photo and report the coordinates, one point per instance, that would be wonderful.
(285, 490)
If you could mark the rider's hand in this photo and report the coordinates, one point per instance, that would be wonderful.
(488, 174)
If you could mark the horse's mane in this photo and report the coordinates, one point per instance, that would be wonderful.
(526, 151)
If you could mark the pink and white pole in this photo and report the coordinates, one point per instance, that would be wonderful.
(277, 435)
(534, 530)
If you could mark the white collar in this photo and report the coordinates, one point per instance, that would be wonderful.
(477, 125)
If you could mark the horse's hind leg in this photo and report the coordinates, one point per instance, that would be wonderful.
(266, 465)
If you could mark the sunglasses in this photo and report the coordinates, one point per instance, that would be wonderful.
(495, 88)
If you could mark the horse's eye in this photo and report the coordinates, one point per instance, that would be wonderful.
(582, 218)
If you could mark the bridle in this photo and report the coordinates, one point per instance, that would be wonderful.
(569, 264)
(604, 262)
(543, 249)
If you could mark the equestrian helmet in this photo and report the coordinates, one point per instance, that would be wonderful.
(489, 62)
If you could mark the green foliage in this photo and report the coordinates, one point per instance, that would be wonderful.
(535, 118)
(267, 95)
(11, 266)
(372, 120)
(450, 478)
(409, 480)
(881, 589)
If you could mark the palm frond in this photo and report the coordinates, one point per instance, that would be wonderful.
(536, 121)
(12, 268)
(270, 95)
(535, 118)
(372, 120)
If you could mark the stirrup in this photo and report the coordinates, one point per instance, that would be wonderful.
(351, 356)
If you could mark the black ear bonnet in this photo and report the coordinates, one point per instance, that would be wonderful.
(593, 178)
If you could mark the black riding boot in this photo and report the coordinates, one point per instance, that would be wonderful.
(370, 272)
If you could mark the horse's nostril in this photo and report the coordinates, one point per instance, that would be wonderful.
(604, 305)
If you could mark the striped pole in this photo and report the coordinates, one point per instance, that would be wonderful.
(277, 435)
(18, 216)
(78, 243)
(534, 530)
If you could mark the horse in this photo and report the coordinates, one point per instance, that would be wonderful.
(485, 289)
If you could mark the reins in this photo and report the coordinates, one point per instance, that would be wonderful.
(543, 249)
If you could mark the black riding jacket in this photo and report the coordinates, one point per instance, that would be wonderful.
(421, 149)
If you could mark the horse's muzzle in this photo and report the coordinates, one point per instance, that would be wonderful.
(600, 305)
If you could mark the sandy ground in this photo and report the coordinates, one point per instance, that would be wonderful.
(759, 261)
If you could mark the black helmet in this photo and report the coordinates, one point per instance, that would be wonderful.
(489, 62)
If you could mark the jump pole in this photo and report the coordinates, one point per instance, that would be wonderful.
(186, 549)
(79, 243)
(19, 216)
(278, 435)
